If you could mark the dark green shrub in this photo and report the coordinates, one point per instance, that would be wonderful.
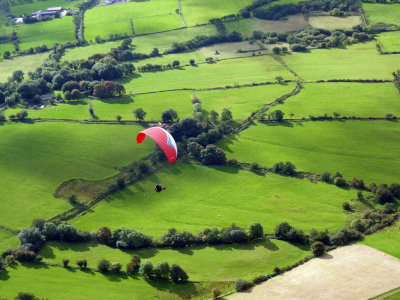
(116, 267)
(146, 269)
(242, 285)
(65, 262)
(215, 293)
(346, 206)
(178, 274)
(256, 230)
(82, 263)
(318, 249)
(103, 266)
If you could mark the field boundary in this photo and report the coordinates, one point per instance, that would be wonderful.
(384, 295)
(13, 231)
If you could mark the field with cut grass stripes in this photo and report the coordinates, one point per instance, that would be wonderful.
(362, 149)
(388, 13)
(47, 154)
(389, 41)
(215, 263)
(199, 197)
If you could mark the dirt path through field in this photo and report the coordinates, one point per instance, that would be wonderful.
(351, 272)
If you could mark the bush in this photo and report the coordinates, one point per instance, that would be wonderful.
(103, 235)
(318, 249)
(277, 270)
(340, 182)
(242, 285)
(146, 269)
(256, 230)
(103, 265)
(31, 235)
(255, 167)
(346, 206)
(325, 177)
(259, 279)
(238, 236)
(82, 263)
(215, 293)
(26, 296)
(116, 267)
(383, 195)
(50, 231)
(133, 265)
(212, 155)
(65, 262)
(162, 270)
(178, 274)
(25, 255)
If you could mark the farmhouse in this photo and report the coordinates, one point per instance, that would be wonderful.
(50, 12)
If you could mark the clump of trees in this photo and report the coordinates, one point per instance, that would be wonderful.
(288, 233)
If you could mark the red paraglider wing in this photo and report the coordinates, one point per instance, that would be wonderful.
(163, 138)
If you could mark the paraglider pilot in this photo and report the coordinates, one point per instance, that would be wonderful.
(159, 188)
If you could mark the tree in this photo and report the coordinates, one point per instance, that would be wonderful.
(192, 62)
(277, 115)
(169, 115)
(65, 262)
(256, 230)
(276, 50)
(226, 115)
(50, 231)
(178, 274)
(162, 270)
(212, 155)
(383, 195)
(103, 235)
(318, 249)
(215, 293)
(279, 79)
(175, 63)
(103, 265)
(116, 267)
(238, 236)
(82, 263)
(242, 285)
(30, 235)
(6, 54)
(118, 118)
(133, 265)
(18, 76)
(146, 269)
(214, 116)
(340, 182)
(26, 296)
(139, 114)
(108, 89)
(194, 149)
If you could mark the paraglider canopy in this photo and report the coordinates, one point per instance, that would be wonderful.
(163, 138)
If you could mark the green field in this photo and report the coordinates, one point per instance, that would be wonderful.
(59, 283)
(388, 13)
(28, 8)
(46, 33)
(330, 23)
(143, 44)
(389, 295)
(201, 197)
(7, 240)
(389, 41)
(25, 63)
(347, 99)
(219, 74)
(9, 46)
(104, 20)
(37, 158)
(197, 12)
(215, 263)
(363, 149)
(386, 240)
(349, 63)
(243, 101)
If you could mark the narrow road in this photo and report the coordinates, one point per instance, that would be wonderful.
(180, 14)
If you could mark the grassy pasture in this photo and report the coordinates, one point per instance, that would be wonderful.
(247, 26)
(242, 101)
(347, 99)
(388, 13)
(37, 158)
(280, 2)
(7, 240)
(363, 149)
(50, 282)
(218, 74)
(197, 12)
(104, 20)
(217, 263)
(386, 240)
(199, 197)
(389, 41)
(349, 63)
(25, 63)
(9, 46)
(28, 8)
(46, 33)
(330, 22)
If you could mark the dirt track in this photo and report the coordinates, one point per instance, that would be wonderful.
(351, 272)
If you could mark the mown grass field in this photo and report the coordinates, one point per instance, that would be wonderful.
(50, 282)
(37, 158)
(199, 197)
(242, 101)
(330, 23)
(386, 240)
(196, 12)
(7, 47)
(25, 63)
(46, 33)
(112, 19)
(247, 26)
(28, 8)
(389, 41)
(347, 99)
(348, 63)
(207, 75)
(143, 44)
(388, 13)
(216, 263)
(7, 240)
(361, 149)
(389, 295)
